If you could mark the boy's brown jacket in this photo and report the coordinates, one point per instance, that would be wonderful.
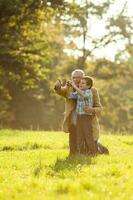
(70, 105)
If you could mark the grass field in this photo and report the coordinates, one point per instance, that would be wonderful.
(36, 166)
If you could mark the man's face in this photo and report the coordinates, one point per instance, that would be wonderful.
(77, 78)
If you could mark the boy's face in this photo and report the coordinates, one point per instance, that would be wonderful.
(83, 85)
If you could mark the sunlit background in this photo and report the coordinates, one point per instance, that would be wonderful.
(42, 41)
(97, 28)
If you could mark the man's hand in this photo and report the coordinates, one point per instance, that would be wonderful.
(57, 85)
(89, 109)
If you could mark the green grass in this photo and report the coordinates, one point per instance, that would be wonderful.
(36, 166)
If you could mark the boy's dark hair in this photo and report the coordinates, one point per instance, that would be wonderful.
(89, 81)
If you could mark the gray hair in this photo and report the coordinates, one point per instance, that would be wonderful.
(78, 71)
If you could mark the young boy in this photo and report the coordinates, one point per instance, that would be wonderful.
(84, 98)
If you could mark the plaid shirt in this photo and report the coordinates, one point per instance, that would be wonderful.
(82, 102)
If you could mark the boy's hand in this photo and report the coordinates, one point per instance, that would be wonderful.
(72, 83)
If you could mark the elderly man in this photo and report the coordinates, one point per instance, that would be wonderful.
(69, 122)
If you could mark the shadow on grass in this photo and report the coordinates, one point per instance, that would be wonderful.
(128, 143)
(72, 162)
(28, 146)
(25, 147)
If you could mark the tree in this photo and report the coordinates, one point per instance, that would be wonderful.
(77, 21)
(29, 40)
